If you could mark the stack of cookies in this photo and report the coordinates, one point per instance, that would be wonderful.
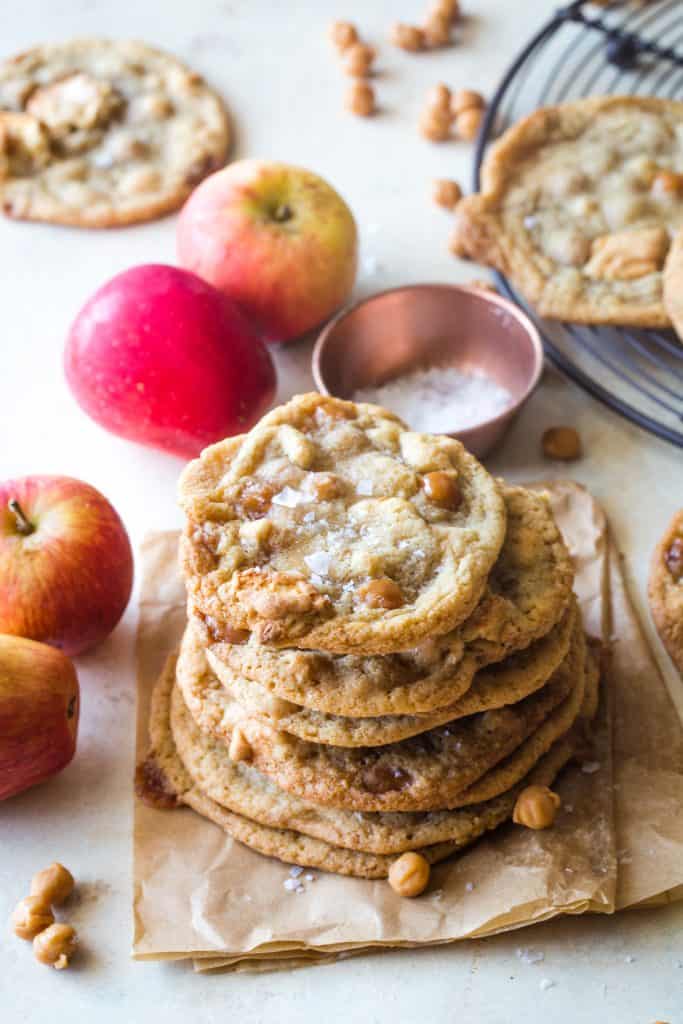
(383, 649)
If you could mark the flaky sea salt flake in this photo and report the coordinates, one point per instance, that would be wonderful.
(590, 767)
(289, 498)
(319, 562)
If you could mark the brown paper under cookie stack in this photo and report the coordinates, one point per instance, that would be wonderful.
(198, 893)
(299, 754)
(383, 649)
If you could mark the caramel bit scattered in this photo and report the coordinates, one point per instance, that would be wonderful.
(360, 99)
(673, 558)
(409, 875)
(408, 37)
(152, 786)
(442, 488)
(381, 778)
(359, 59)
(343, 34)
(561, 443)
(435, 124)
(55, 946)
(536, 807)
(446, 193)
(53, 884)
(382, 593)
(466, 99)
(667, 184)
(439, 97)
(31, 916)
(447, 8)
(437, 29)
(468, 123)
(240, 748)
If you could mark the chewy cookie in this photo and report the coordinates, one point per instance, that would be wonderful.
(100, 133)
(505, 683)
(665, 589)
(334, 527)
(526, 594)
(240, 788)
(578, 206)
(170, 777)
(431, 770)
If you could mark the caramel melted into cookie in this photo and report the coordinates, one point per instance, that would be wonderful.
(380, 778)
(152, 787)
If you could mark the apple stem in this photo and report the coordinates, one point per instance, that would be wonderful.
(283, 213)
(23, 524)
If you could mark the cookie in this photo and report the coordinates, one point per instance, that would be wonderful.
(526, 594)
(665, 589)
(293, 847)
(98, 133)
(421, 773)
(242, 789)
(336, 528)
(673, 283)
(505, 683)
(578, 206)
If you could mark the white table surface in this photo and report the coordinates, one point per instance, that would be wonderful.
(273, 63)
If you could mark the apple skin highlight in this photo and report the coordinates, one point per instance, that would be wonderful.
(276, 239)
(66, 582)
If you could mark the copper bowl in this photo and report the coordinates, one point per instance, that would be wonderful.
(403, 329)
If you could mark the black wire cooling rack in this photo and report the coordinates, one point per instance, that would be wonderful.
(587, 50)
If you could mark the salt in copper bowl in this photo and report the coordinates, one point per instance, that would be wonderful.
(404, 329)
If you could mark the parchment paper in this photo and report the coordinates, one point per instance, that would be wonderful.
(200, 894)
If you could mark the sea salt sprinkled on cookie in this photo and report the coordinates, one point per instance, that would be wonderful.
(289, 498)
(590, 767)
(319, 562)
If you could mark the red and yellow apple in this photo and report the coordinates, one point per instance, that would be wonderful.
(39, 706)
(66, 565)
(277, 239)
(160, 357)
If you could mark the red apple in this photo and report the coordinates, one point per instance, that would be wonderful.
(66, 565)
(277, 239)
(160, 357)
(38, 713)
